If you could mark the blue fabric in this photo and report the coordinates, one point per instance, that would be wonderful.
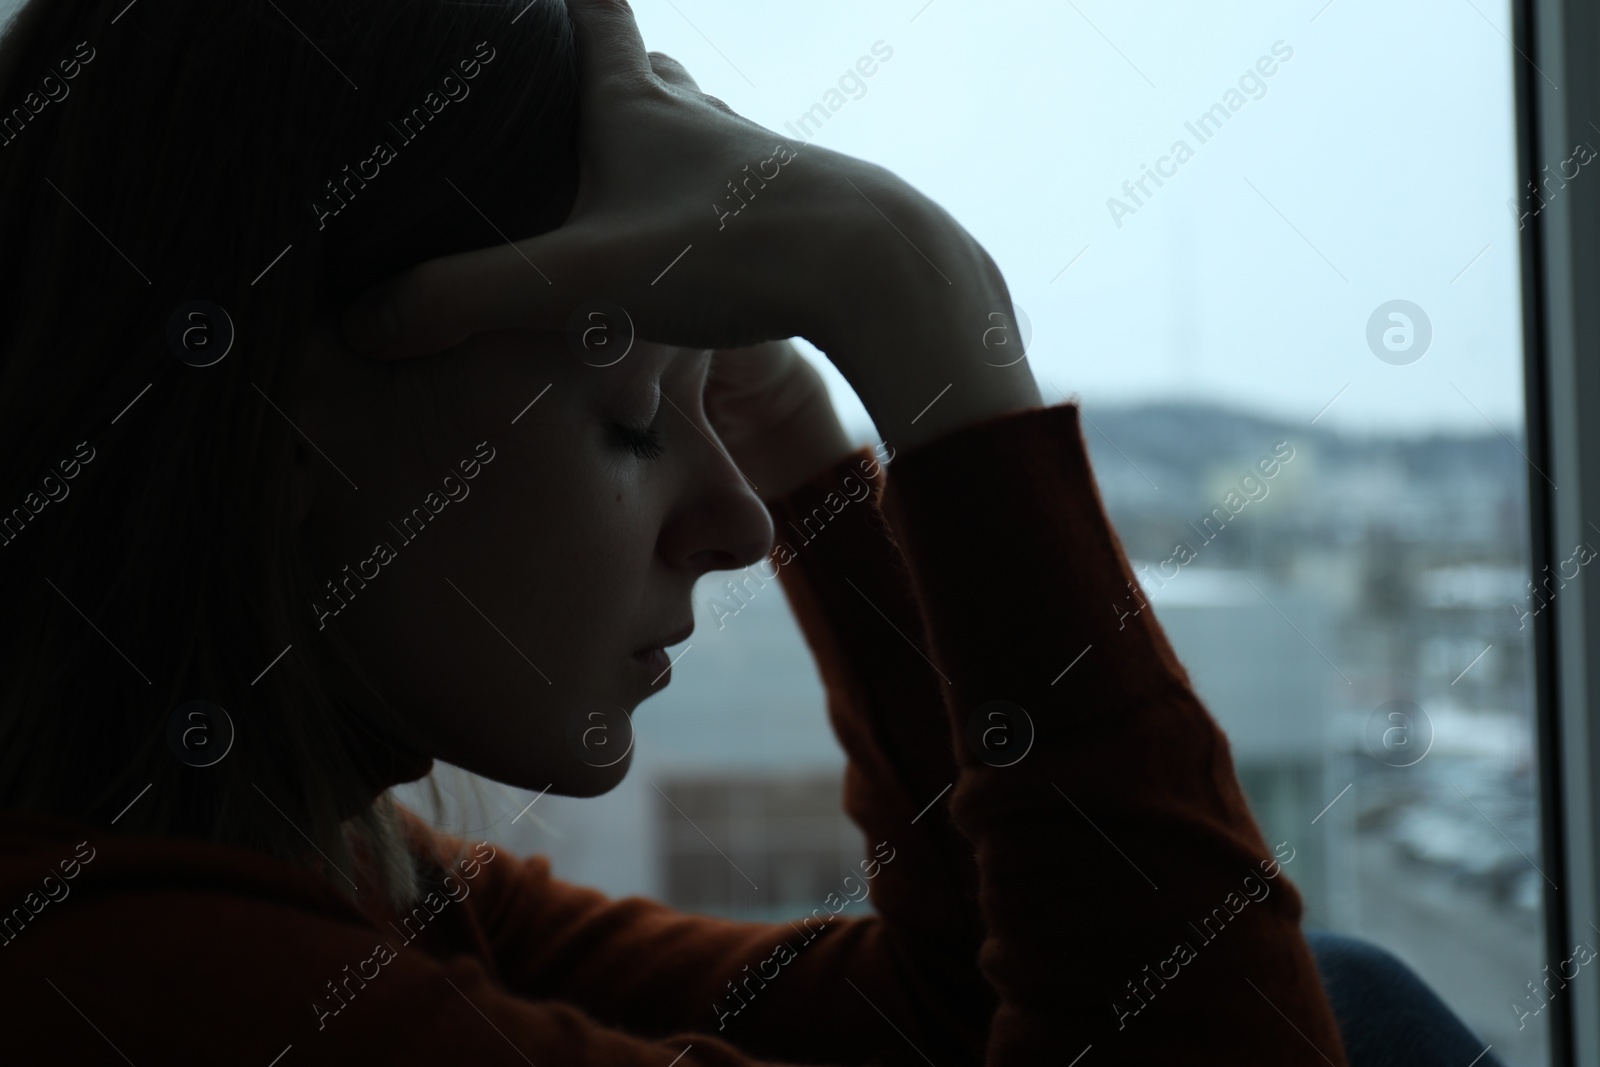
(1387, 1015)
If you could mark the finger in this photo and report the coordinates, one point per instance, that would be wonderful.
(608, 40)
(777, 349)
(672, 72)
(677, 75)
(437, 304)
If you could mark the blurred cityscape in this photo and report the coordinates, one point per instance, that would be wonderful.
(1350, 609)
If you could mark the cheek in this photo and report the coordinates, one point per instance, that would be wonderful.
(516, 608)
(565, 546)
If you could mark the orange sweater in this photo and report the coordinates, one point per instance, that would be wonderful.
(1105, 896)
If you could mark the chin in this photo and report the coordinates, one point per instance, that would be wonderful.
(585, 781)
(573, 778)
(584, 752)
(572, 774)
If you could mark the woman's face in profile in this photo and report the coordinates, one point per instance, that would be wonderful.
(510, 565)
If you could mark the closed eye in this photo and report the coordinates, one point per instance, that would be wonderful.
(643, 442)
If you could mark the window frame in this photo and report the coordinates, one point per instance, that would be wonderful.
(1560, 40)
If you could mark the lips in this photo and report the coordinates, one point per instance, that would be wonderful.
(653, 657)
(678, 635)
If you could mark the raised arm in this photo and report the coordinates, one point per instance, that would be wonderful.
(1130, 900)
(1014, 571)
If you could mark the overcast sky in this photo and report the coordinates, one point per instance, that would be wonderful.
(1374, 164)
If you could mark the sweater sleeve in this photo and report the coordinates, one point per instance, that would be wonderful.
(1130, 901)
(1062, 859)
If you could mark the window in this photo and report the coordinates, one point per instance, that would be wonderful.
(1249, 235)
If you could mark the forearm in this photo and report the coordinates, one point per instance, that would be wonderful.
(1117, 748)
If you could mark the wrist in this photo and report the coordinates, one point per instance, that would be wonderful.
(809, 442)
(914, 320)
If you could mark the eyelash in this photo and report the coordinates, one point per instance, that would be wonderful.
(644, 443)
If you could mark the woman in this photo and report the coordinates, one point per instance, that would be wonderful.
(270, 559)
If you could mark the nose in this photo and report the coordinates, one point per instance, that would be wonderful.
(719, 522)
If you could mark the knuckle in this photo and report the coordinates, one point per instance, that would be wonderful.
(671, 71)
(630, 84)
(610, 8)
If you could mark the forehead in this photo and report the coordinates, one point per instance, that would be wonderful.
(644, 364)
(496, 361)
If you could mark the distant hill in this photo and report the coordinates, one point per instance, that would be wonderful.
(1183, 441)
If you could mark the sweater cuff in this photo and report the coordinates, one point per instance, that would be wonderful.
(992, 513)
